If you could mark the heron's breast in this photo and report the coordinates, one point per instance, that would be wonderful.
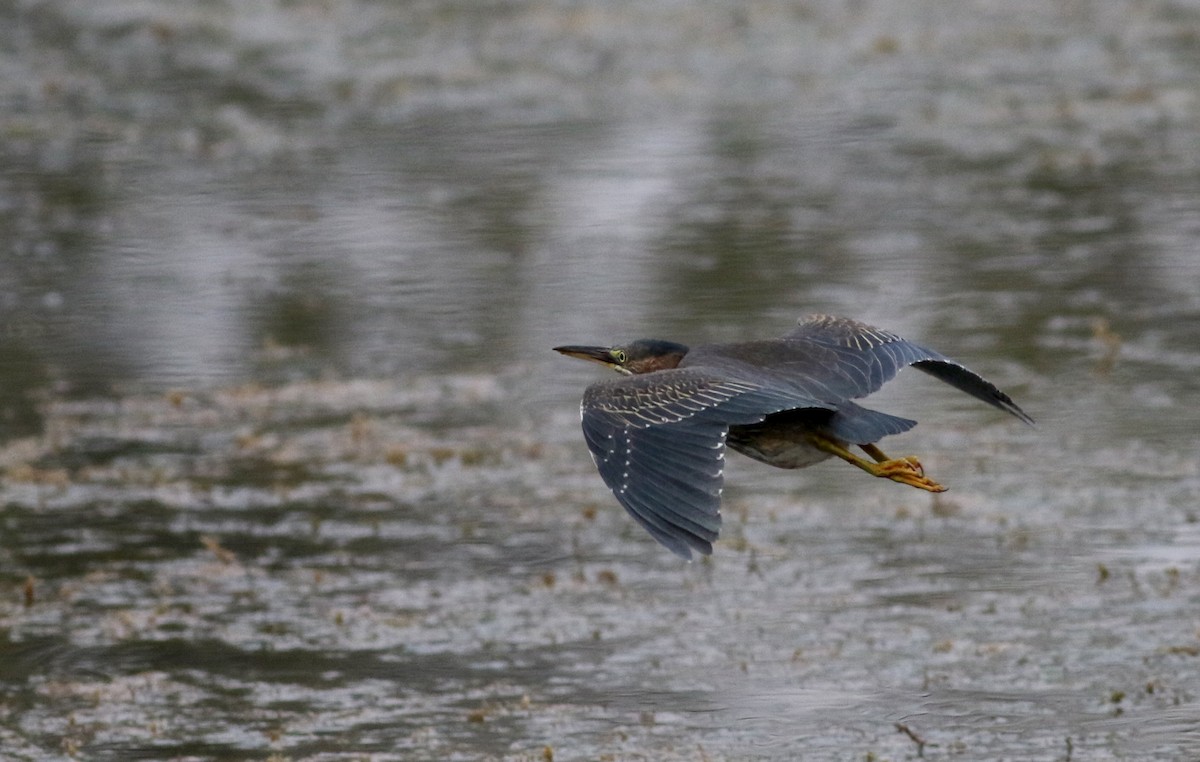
(782, 446)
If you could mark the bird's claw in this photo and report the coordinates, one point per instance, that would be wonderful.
(908, 471)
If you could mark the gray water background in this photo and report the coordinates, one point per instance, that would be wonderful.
(290, 472)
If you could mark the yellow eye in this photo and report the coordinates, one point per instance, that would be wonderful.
(619, 356)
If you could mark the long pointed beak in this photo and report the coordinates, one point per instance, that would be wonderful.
(594, 354)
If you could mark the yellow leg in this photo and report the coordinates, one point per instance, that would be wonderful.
(904, 470)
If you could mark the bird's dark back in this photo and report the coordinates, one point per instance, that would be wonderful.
(786, 362)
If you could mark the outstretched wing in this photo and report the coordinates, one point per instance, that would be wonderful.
(848, 359)
(658, 440)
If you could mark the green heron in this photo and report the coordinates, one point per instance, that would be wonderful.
(658, 434)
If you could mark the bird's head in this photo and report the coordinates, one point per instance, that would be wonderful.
(641, 356)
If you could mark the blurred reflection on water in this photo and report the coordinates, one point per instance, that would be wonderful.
(225, 195)
(230, 194)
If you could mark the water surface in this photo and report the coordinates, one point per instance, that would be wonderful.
(289, 469)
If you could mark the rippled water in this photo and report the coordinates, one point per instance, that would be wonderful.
(289, 470)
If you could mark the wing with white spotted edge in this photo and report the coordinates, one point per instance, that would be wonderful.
(658, 440)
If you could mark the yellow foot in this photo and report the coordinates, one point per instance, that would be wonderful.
(906, 471)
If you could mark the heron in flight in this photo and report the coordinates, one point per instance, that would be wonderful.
(658, 434)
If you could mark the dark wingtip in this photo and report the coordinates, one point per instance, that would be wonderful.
(1004, 402)
(684, 551)
(966, 380)
(681, 545)
(1025, 417)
